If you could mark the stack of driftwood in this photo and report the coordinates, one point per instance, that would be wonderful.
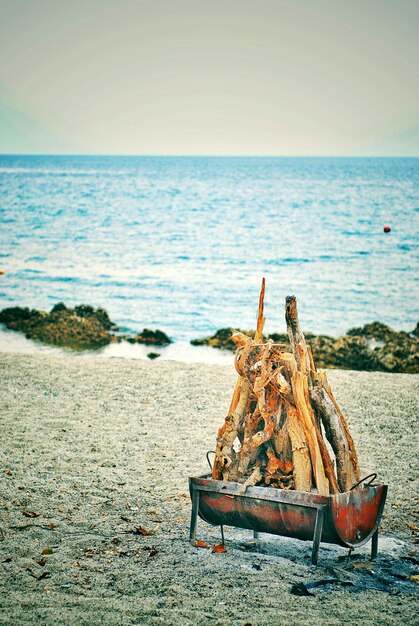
(284, 427)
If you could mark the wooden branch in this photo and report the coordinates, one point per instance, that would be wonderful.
(287, 360)
(285, 417)
(300, 455)
(336, 436)
(260, 319)
(327, 461)
(254, 440)
(354, 457)
(224, 454)
(254, 478)
(281, 439)
(295, 334)
(321, 481)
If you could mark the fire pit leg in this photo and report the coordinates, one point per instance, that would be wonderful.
(317, 535)
(374, 544)
(194, 514)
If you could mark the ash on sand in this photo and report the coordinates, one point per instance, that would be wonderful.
(95, 510)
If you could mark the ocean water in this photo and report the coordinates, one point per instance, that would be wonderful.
(181, 243)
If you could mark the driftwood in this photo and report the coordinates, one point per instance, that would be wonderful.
(225, 454)
(284, 427)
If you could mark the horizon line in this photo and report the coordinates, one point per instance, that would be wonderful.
(215, 156)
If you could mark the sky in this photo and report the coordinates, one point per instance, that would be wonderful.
(209, 77)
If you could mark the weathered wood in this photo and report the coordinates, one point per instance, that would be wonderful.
(284, 427)
(287, 360)
(254, 440)
(354, 457)
(295, 334)
(260, 319)
(300, 454)
(320, 479)
(225, 454)
(327, 461)
(335, 434)
(254, 478)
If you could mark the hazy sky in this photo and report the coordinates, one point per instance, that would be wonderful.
(263, 77)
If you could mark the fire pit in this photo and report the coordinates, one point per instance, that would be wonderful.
(285, 461)
(347, 519)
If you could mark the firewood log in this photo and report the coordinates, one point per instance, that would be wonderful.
(300, 455)
(254, 478)
(260, 318)
(315, 420)
(224, 454)
(321, 481)
(281, 439)
(336, 436)
(295, 333)
(354, 457)
(284, 427)
(253, 440)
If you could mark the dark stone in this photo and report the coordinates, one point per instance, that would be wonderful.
(280, 338)
(343, 353)
(375, 330)
(373, 347)
(60, 306)
(153, 355)
(19, 318)
(61, 327)
(87, 311)
(152, 338)
(221, 339)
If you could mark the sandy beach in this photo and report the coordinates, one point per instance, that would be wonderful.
(94, 502)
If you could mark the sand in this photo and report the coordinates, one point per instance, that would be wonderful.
(96, 452)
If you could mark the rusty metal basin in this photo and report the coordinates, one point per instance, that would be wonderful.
(347, 519)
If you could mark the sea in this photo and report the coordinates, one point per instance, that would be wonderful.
(182, 243)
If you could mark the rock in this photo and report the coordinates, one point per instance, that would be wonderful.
(399, 354)
(373, 347)
(280, 338)
(153, 355)
(19, 318)
(57, 308)
(151, 338)
(84, 310)
(81, 328)
(221, 339)
(344, 353)
(375, 330)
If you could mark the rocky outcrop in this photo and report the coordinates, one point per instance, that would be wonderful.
(81, 328)
(373, 347)
(153, 355)
(395, 351)
(150, 338)
(221, 339)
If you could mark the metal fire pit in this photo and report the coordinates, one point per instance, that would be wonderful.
(347, 519)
